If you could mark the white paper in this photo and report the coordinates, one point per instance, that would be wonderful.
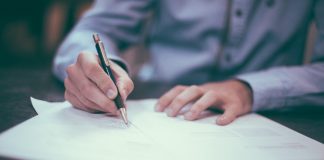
(43, 106)
(62, 132)
(249, 137)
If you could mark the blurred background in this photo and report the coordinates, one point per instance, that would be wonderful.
(30, 32)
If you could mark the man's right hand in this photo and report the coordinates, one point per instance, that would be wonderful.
(89, 88)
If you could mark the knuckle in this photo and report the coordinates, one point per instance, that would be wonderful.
(179, 101)
(211, 93)
(104, 84)
(194, 111)
(81, 57)
(179, 87)
(70, 69)
(161, 101)
(195, 88)
(166, 99)
(86, 89)
(197, 108)
(91, 69)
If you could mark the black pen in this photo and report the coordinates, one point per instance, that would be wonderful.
(105, 64)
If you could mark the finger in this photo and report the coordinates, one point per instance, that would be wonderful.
(188, 95)
(228, 116)
(72, 99)
(70, 87)
(92, 69)
(207, 100)
(167, 98)
(117, 70)
(89, 90)
(124, 84)
(78, 103)
(75, 102)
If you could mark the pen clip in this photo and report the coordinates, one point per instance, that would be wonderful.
(98, 42)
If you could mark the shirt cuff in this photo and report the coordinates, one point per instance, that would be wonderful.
(268, 89)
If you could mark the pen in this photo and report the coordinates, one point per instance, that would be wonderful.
(105, 64)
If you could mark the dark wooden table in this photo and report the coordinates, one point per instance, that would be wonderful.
(18, 84)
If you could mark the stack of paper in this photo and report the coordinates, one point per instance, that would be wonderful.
(63, 132)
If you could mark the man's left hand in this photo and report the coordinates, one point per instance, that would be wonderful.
(233, 97)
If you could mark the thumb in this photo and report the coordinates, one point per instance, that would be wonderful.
(123, 82)
(229, 115)
(125, 86)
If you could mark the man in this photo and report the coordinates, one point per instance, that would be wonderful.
(235, 55)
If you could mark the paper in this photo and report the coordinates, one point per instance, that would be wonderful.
(62, 132)
(43, 106)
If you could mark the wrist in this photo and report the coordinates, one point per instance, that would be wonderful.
(245, 90)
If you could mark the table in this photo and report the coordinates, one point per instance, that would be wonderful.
(17, 84)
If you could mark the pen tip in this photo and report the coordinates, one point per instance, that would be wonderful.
(124, 115)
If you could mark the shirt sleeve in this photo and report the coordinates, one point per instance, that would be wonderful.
(292, 86)
(119, 24)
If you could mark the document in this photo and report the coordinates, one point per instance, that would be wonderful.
(63, 132)
(42, 106)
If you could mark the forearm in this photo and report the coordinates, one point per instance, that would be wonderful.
(287, 86)
(119, 27)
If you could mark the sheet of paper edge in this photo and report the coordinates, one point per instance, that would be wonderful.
(42, 109)
(41, 106)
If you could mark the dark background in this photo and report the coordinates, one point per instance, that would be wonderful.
(30, 31)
